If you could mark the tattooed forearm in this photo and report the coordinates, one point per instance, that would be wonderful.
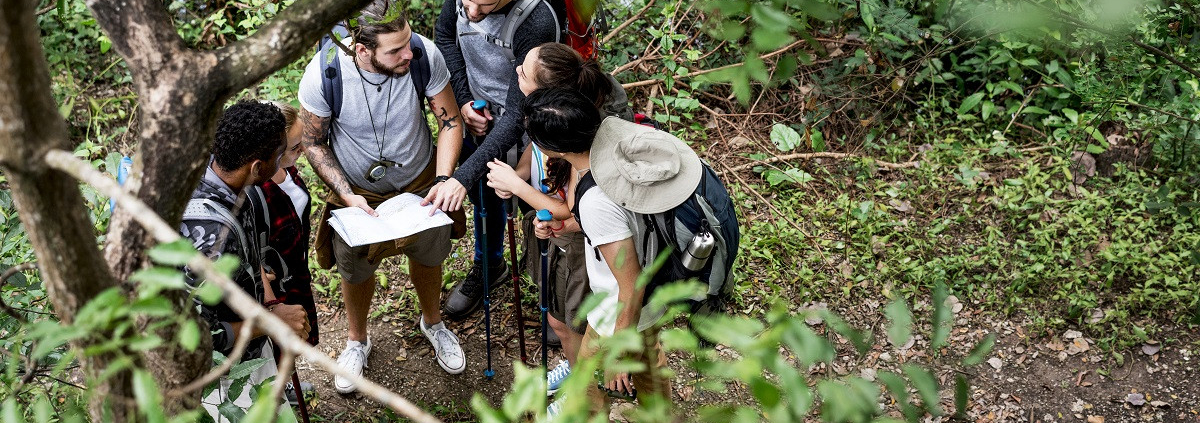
(320, 153)
(314, 129)
(446, 119)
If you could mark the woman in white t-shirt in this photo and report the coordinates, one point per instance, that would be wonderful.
(543, 182)
(563, 123)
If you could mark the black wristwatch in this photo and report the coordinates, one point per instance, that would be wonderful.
(441, 178)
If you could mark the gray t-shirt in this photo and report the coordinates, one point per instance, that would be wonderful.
(368, 124)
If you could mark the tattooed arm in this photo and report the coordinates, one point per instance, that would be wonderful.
(447, 195)
(320, 156)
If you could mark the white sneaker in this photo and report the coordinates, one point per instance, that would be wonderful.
(554, 408)
(354, 359)
(445, 346)
(555, 378)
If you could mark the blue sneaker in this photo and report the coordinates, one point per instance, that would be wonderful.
(555, 378)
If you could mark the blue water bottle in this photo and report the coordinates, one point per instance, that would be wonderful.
(123, 170)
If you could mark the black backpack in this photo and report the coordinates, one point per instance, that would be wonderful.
(331, 83)
(708, 209)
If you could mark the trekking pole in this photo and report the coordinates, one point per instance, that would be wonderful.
(487, 277)
(516, 278)
(300, 400)
(543, 245)
(487, 289)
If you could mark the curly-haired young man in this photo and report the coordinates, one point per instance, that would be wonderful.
(226, 216)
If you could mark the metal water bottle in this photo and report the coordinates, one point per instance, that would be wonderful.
(699, 250)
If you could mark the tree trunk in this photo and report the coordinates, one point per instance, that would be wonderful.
(182, 92)
(49, 202)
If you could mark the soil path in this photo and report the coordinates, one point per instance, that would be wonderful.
(1026, 378)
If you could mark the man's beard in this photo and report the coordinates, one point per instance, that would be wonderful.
(389, 72)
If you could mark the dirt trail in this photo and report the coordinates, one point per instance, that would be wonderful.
(1025, 378)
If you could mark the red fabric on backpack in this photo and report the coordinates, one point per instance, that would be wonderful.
(581, 35)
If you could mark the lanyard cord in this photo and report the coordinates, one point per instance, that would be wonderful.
(370, 114)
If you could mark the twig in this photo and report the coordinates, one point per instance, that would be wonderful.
(1019, 109)
(1022, 125)
(821, 155)
(630, 21)
(4, 280)
(632, 63)
(1154, 50)
(53, 5)
(239, 348)
(1155, 109)
(237, 299)
(705, 71)
(281, 380)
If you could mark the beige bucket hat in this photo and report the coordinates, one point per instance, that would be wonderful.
(643, 169)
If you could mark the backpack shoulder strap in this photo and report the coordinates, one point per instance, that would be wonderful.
(331, 78)
(513, 21)
(208, 210)
(586, 183)
(420, 70)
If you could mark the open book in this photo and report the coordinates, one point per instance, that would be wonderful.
(399, 216)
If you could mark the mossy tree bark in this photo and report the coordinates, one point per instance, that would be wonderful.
(181, 93)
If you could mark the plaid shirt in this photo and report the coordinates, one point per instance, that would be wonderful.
(289, 241)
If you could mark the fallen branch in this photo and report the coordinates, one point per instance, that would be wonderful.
(822, 155)
(705, 71)
(237, 299)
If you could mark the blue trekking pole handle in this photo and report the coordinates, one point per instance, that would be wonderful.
(543, 245)
(478, 105)
(487, 290)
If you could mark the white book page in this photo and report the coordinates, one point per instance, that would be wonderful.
(399, 217)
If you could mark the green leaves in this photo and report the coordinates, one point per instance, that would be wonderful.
(981, 350)
(785, 138)
(926, 386)
(900, 329)
(189, 335)
(793, 175)
(969, 103)
(176, 253)
(156, 279)
(148, 396)
(943, 316)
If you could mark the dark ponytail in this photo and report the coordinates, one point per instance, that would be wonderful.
(561, 66)
(560, 120)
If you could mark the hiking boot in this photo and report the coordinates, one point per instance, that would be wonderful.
(445, 347)
(306, 389)
(465, 298)
(555, 378)
(354, 359)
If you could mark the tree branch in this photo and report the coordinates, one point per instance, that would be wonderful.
(702, 72)
(291, 33)
(284, 369)
(822, 155)
(4, 280)
(1152, 49)
(630, 21)
(237, 299)
(239, 348)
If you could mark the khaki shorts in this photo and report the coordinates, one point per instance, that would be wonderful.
(568, 273)
(428, 248)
